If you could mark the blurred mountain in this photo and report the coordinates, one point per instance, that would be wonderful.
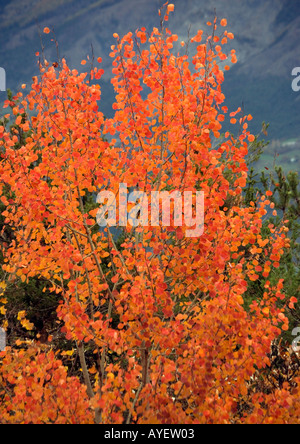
(267, 40)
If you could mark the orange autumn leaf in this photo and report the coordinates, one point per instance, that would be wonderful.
(266, 311)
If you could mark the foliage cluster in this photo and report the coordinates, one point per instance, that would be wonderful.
(157, 327)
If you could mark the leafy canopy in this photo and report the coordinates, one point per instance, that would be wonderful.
(158, 320)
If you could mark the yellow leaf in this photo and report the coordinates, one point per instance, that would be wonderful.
(3, 311)
(21, 315)
(69, 353)
(2, 288)
(27, 325)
